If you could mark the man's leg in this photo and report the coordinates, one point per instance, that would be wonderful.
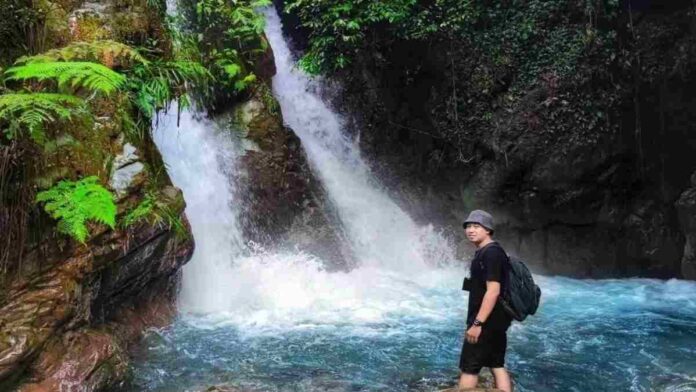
(502, 379)
(468, 380)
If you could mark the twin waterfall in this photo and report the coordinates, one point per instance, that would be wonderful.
(229, 281)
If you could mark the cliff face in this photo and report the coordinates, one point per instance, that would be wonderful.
(70, 310)
(581, 159)
(71, 322)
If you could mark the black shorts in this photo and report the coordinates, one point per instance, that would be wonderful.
(488, 352)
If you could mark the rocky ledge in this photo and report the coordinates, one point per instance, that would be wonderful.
(69, 319)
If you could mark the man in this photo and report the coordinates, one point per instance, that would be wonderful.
(487, 322)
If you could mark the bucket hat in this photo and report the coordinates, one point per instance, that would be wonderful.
(482, 218)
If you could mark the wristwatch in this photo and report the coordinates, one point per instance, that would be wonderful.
(478, 323)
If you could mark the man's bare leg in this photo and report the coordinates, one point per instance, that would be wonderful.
(468, 380)
(502, 379)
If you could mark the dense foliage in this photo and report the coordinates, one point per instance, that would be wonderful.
(532, 35)
(31, 26)
(229, 37)
(62, 84)
(155, 211)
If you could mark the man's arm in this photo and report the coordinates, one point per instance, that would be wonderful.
(494, 271)
(489, 300)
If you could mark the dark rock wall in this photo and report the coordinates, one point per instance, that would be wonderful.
(582, 172)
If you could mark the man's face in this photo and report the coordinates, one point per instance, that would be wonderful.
(476, 233)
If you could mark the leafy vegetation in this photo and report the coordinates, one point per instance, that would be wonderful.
(30, 111)
(154, 85)
(230, 39)
(55, 101)
(107, 52)
(74, 74)
(151, 85)
(31, 26)
(536, 35)
(155, 212)
(73, 203)
(338, 28)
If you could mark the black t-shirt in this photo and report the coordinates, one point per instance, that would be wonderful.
(490, 263)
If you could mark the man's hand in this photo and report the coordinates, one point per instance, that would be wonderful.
(472, 334)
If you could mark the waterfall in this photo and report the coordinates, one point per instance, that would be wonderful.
(229, 282)
(381, 234)
(198, 159)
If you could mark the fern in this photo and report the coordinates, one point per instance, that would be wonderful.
(159, 83)
(92, 76)
(104, 51)
(156, 212)
(73, 203)
(141, 212)
(29, 112)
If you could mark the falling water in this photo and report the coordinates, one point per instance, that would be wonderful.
(198, 158)
(380, 232)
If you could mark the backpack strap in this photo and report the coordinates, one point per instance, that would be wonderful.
(508, 267)
(491, 245)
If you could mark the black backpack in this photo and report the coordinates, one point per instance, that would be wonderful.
(520, 297)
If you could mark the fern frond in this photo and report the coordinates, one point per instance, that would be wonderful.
(31, 111)
(73, 203)
(141, 212)
(92, 76)
(157, 84)
(104, 52)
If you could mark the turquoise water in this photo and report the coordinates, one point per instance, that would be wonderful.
(604, 335)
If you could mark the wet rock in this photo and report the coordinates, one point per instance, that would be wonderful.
(70, 311)
(126, 168)
(264, 66)
(86, 359)
(472, 390)
(90, 288)
(284, 204)
(686, 207)
(221, 388)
